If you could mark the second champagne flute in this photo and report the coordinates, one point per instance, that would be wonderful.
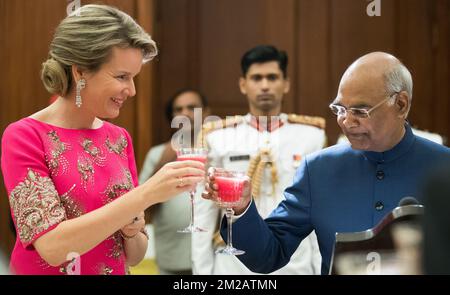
(194, 154)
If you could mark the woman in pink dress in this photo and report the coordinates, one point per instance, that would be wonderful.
(71, 177)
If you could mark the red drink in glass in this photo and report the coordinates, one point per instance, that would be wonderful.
(229, 189)
(230, 185)
(199, 158)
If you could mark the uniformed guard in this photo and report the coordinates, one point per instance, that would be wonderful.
(268, 145)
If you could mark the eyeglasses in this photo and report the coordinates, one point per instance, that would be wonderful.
(360, 113)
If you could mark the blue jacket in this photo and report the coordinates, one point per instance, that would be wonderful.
(337, 189)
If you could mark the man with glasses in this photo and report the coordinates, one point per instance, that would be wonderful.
(361, 113)
(344, 188)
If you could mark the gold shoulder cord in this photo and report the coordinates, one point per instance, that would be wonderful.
(256, 169)
(318, 122)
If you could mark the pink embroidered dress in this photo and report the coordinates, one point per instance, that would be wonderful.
(53, 174)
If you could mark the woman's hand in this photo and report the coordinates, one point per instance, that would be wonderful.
(174, 178)
(210, 192)
(134, 227)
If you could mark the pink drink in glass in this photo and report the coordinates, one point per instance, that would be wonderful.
(199, 158)
(229, 189)
(199, 155)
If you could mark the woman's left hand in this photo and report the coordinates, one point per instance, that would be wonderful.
(132, 229)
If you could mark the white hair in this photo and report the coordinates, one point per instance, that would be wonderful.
(397, 79)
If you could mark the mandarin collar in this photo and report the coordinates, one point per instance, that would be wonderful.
(397, 151)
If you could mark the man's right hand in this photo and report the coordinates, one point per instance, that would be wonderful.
(210, 192)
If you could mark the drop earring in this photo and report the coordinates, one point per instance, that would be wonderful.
(80, 85)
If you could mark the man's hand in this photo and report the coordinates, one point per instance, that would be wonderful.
(210, 192)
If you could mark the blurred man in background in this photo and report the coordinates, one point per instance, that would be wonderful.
(172, 249)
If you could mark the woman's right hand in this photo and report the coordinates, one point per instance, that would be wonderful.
(174, 178)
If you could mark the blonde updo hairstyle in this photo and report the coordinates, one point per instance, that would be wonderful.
(86, 39)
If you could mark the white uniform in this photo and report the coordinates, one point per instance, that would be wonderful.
(233, 148)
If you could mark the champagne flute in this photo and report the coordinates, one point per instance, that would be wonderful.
(230, 185)
(194, 154)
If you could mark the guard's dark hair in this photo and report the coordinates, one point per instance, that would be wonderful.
(264, 53)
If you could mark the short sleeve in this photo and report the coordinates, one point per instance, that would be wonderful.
(131, 159)
(35, 204)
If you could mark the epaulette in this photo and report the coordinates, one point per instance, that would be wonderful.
(318, 122)
(218, 124)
